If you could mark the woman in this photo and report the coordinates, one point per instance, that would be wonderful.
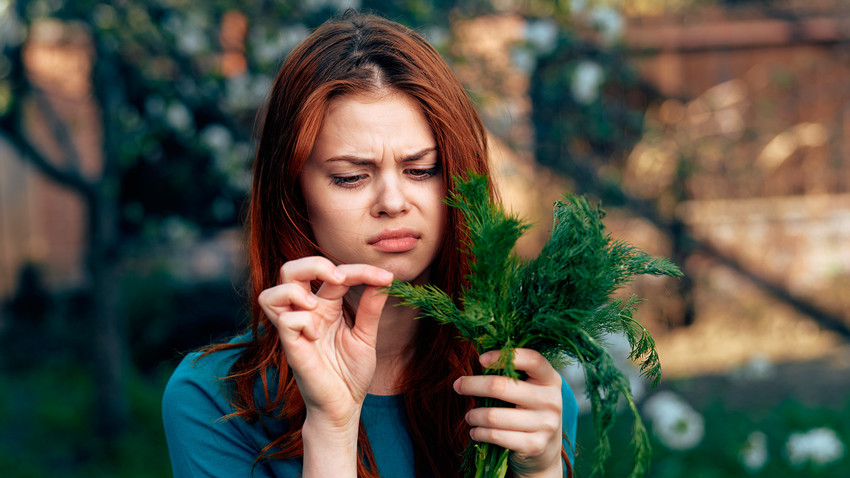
(365, 129)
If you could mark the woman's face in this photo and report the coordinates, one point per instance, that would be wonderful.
(373, 185)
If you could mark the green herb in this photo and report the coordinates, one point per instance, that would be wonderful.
(559, 304)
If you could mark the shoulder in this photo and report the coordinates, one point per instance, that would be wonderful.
(196, 393)
(202, 440)
(200, 376)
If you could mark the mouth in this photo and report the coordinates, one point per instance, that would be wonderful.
(395, 240)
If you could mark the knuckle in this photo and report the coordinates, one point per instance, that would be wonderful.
(553, 403)
(490, 417)
(550, 427)
(497, 386)
(487, 435)
(285, 272)
(537, 446)
(263, 298)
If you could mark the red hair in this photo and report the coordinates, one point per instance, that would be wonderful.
(353, 54)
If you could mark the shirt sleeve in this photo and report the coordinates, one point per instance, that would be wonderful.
(201, 442)
(569, 413)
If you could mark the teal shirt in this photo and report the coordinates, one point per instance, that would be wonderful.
(202, 444)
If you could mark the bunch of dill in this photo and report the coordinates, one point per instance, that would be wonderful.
(559, 304)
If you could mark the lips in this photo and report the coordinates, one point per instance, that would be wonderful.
(395, 240)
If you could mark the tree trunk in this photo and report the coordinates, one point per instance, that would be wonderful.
(109, 361)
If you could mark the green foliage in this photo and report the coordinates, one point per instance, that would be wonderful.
(719, 454)
(559, 303)
(46, 417)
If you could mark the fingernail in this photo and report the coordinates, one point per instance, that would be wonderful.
(386, 276)
(311, 300)
(339, 275)
(456, 385)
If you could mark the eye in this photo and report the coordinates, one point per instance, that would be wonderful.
(348, 181)
(423, 173)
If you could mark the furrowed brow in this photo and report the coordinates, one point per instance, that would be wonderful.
(356, 160)
(418, 155)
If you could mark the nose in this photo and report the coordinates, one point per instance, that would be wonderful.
(391, 198)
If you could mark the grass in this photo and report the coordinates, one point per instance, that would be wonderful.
(46, 417)
(726, 432)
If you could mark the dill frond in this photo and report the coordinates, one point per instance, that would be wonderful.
(559, 303)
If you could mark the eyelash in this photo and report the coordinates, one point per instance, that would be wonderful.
(353, 182)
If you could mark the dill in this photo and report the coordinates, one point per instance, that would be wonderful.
(559, 304)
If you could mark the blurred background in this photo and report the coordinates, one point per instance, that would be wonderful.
(714, 132)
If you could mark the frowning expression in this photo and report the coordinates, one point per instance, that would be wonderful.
(373, 185)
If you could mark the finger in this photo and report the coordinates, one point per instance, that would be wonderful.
(284, 298)
(354, 275)
(514, 419)
(535, 365)
(292, 326)
(302, 271)
(369, 314)
(526, 444)
(520, 393)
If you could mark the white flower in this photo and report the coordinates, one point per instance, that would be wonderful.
(179, 117)
(758, 367)
(268, 47)
(179, 231)
(542, 35)
(12, 31)
(674, 422)
(190, 33)
(523, 59)
(754, 453)
(316, 5)
(246, 92)
(343, 4)
(587, 79)
(608, 21)
(192, 41)
(234, 165)
(820, 446)
(577, 5)
(435, 35)
(217, 138)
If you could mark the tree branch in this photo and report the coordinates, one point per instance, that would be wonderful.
(12, 132)
(59, 130)
(587, 181)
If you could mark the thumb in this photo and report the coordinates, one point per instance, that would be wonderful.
(369, 314)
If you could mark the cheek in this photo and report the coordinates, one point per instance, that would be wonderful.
(335, 224)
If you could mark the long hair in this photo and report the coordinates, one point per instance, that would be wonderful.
(356, 53)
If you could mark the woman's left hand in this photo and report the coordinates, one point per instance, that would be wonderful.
(532, 430)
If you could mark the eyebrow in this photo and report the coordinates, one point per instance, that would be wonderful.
(359, 160)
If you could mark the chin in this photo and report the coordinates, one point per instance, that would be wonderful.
(408, 273)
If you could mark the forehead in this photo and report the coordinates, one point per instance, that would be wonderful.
(386, 115)
(372, 127)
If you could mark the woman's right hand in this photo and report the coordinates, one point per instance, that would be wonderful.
(333, 361)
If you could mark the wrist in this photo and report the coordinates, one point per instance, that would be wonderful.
(551, 472)
(330, 446)
(337, 428)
